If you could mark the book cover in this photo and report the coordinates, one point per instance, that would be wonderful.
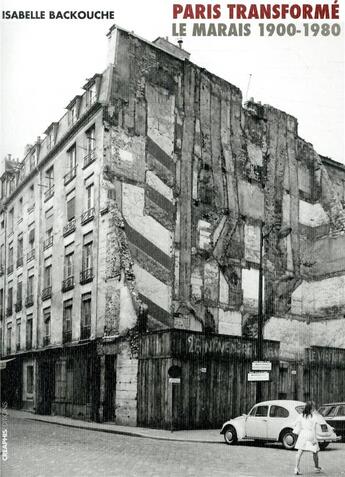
(172, 236)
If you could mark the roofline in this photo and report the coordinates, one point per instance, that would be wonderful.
(332, 162)
(117, 27)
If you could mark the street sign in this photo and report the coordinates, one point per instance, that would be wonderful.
(261, 366)
(259, 376)
(174, 380)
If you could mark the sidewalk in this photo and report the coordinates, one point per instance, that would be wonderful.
(209, 436)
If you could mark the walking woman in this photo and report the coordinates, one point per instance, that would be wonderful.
(306, 440)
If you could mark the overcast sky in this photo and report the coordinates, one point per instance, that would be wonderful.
(44, 63)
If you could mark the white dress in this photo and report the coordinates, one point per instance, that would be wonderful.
(306, 436)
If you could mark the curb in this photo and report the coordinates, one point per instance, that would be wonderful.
(120, 432)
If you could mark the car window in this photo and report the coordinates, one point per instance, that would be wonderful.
(299, 409)
(328, 411)
(252, 411)
(341, 411)
(261, 411)
(278, 411)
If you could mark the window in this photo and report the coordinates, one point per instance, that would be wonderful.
(87, 251)
(19, 294)
(278, 411)
(91, 95)
(29, 379)
(10, 220)
(341, 411)
(1, 304)
(2, 255)
(47, 276)
(11, 184)
(20, 208)
(71, 158)
(328, 411)
(30, 285)
(46, 325)
(50, 177)
(68, 269)
(67, 320)
(20, 246)
(29, 332)
(32, 161)
(89, 196)
(32, 238)
(9, 338)
(10, 256)
(18, 335)
(90, 140)
(49, 221)
(10, 300)
(70, 209)
(259, 411)
(32, 195)
(85, 318)
(73, 114)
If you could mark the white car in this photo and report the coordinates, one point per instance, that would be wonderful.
(274, 421)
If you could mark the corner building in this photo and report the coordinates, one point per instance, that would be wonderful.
(140, 210)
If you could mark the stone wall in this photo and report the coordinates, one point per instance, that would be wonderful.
(195, 175)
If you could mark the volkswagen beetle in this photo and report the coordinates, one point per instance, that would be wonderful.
(273, 421)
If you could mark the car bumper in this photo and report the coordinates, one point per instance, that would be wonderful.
(329, 439)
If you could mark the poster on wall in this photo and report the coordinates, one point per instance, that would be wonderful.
(172, 237)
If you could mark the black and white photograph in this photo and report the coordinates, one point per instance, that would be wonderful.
(172, 238)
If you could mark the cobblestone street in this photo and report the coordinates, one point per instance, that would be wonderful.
(38, 449)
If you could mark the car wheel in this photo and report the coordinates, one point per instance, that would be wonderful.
(230, 435)
(323, 445)
(288, 439)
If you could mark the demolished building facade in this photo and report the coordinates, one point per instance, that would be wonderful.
(169, 179)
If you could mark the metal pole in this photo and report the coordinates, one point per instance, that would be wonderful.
(260, 315)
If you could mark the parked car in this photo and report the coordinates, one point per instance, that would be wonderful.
(334, 414)
(273, 421)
